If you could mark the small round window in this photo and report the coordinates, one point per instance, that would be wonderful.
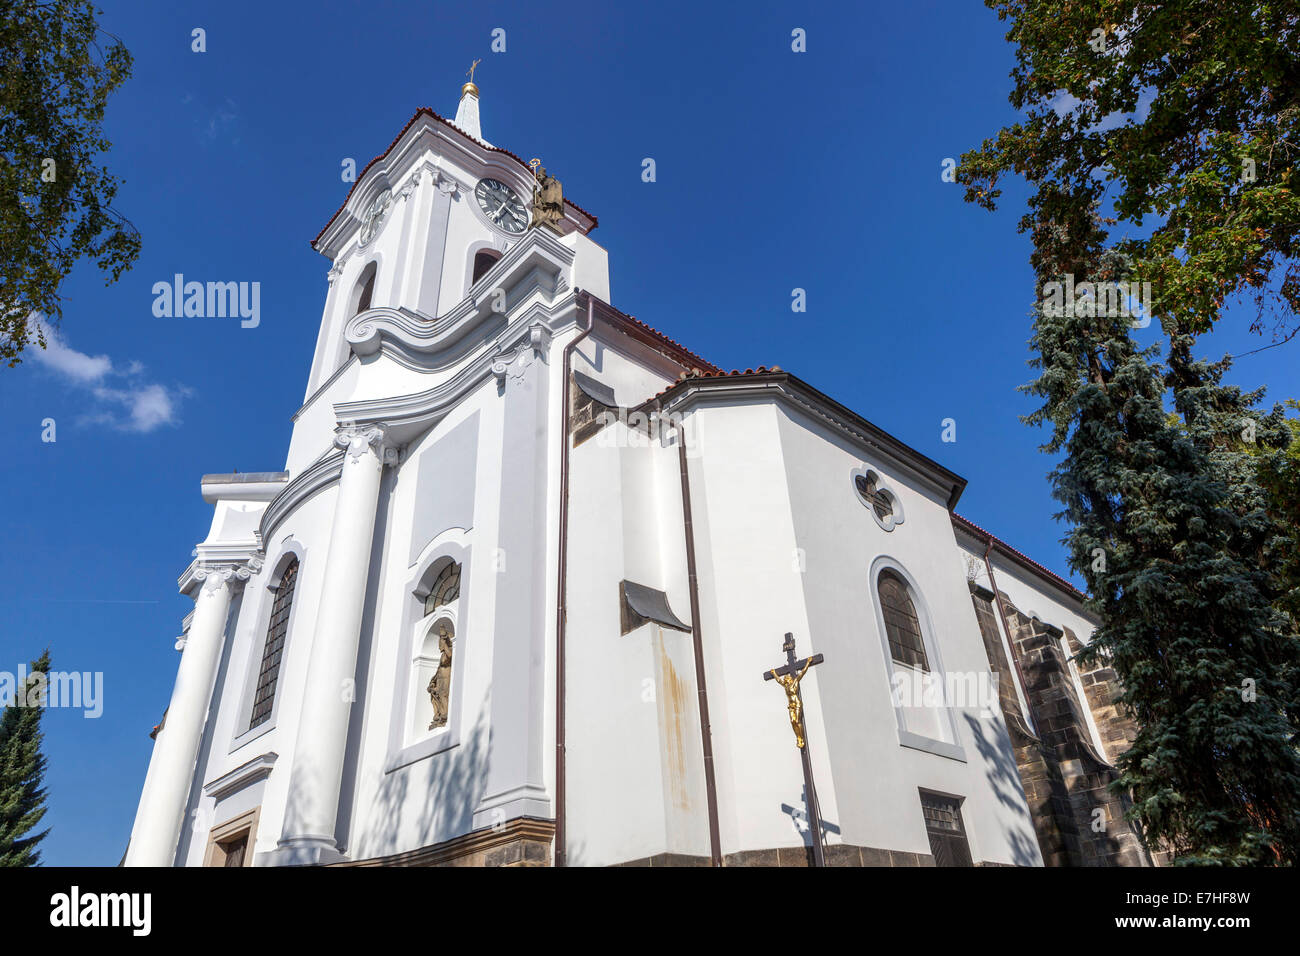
(878, 499)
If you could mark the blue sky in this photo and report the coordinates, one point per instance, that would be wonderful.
(776, 170)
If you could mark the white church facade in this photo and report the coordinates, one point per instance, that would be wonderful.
(512, 598)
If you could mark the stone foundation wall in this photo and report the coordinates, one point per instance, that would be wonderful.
(840, 854)
(1040, 773)
(1074, 783)
(525, 841)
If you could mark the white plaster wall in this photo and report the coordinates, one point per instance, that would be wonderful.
(309, 524)
(468, 230)
(313, 428)
(590, 266)
(634, 756)
(426, 801)
(750, 596)
(876, 778)
(614, 802)
(634, 372)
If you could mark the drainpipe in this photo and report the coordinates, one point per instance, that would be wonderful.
(561, 854)
(706, 732)
(1011, 641)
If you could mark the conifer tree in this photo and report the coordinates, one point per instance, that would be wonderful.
(1171, 528)
(22, 770)
(1177, 122)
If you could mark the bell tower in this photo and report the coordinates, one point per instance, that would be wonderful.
(423, 223)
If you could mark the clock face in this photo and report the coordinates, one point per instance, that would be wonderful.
(501, 205)
(374, 217)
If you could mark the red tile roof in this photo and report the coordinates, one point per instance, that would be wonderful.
(705, 369)
(1023, 558)
(678, 351)
(426, 111)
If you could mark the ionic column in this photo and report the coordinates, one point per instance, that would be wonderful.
(171, 771)
(316, 777)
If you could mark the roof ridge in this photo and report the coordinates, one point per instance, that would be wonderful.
(434, 114)
(1020, 554)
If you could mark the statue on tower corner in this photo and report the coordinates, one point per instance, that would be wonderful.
(548, 199)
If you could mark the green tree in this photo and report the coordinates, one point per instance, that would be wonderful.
(1280, 474)
(22, 770)
(55, 201)
(1185, 114)
(1172, 530)
(1177, 122)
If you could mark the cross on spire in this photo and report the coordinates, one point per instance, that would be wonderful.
(472, 67)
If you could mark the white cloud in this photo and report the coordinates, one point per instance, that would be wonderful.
(68, 362)
(122, 398)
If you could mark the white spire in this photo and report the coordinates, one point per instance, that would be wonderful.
(467, 111)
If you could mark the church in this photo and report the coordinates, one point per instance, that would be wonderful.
(510, 600)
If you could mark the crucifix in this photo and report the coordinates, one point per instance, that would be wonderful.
(789, 675)
(472, 67)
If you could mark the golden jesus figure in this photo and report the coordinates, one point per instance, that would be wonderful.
(791, 684)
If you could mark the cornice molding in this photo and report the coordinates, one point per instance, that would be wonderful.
(408, 416)
(539, 262)
(334, 376)
(427, 134)
(324, 472)
(254, 770)
(1071, 596)
(872, 442)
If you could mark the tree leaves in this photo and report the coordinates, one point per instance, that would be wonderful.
(56, 201)
(1221, 85)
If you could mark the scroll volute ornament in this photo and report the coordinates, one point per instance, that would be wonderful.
(356, 439)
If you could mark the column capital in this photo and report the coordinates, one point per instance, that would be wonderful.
(226, 567)
(214, 575)
(356, 440)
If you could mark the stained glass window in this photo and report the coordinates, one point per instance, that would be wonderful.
(264, 696)
(445, 590)
(879, 500)
(902, 626)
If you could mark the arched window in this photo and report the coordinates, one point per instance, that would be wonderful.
(432, 667)
(924, 705)
(364, 290)
(902, 626)
(445, 590)
(277, 630)
(484, 260)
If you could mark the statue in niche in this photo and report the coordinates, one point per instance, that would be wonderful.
(439, 688)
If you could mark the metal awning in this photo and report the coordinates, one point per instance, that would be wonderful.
(652, 605)
(597, 391)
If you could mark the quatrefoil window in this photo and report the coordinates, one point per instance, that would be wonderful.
(877, 498)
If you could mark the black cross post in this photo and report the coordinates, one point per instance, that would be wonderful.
(795, 669)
